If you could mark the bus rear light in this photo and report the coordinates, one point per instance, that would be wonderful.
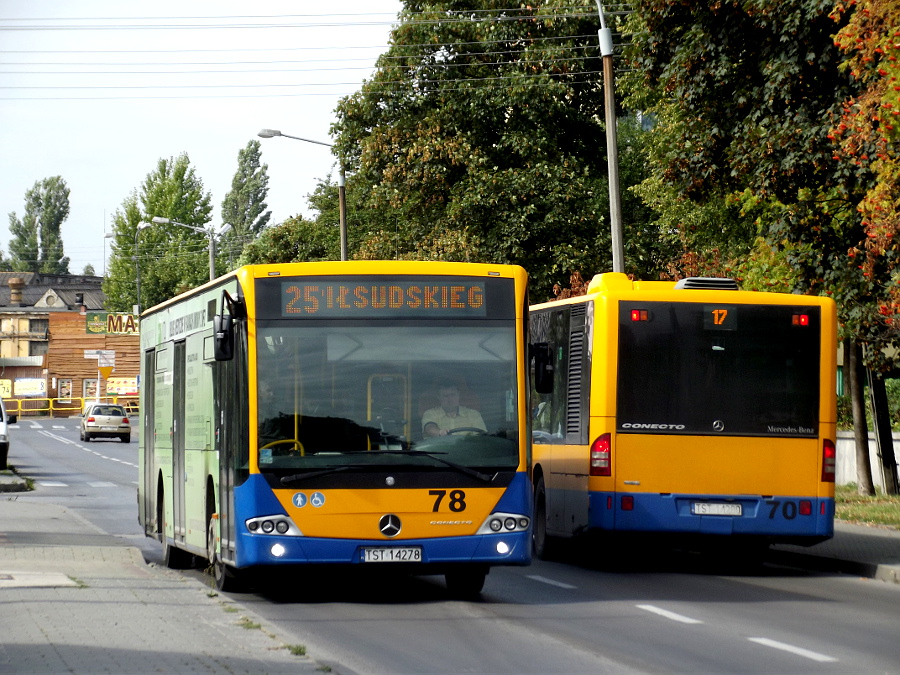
(805, 507)
(600, 456)
(640, 315)
(627, 503)
(829, 460)
(800, 319)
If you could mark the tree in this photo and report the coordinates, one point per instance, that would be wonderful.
(749, 90)
(295, 240)
(169, 258)
(36, 244)
(480, 137)
(869, 138)
(244, 208)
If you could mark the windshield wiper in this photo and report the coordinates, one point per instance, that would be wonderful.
(298, 477)
(486, 478)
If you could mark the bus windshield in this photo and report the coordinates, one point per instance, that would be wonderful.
(342, 396)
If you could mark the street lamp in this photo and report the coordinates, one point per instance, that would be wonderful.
(211, 233)
(342, 182)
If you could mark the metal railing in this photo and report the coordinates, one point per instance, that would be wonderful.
(65, 407)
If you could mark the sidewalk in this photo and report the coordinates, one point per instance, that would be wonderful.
(75, 600)
(863, 551)
(97, 607)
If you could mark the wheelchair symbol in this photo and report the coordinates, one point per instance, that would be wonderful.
(317, 499)
(299, 500)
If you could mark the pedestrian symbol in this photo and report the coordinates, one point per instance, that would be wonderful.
(299, 500)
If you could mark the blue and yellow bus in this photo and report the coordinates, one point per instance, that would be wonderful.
(282, 420)
(690, 408)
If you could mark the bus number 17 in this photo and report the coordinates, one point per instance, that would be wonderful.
(719, 316)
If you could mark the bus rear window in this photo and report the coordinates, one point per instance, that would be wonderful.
(718, 369)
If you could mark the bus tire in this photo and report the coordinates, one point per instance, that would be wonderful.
(542, 544)
(227, 579)
(466, 584)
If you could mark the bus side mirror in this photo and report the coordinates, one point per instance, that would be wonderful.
(223, 337)
(543, 368)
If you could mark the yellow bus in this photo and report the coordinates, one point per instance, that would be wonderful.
(688, 408)
(343, 413)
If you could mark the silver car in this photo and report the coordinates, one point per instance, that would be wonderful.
(105, 421)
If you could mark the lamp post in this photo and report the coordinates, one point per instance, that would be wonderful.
(612, 148)
(342, 182)
(211, 233)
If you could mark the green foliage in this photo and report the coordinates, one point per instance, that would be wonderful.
(743, 163)
(295, 240)
(244, 207)
(36, 244)
(479, 139)
(170, 259)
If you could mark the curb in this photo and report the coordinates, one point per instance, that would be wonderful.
(881, 572)
(10, 482)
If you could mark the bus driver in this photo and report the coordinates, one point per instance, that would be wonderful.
(450, 415)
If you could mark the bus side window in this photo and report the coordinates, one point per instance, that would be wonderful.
(543, 368)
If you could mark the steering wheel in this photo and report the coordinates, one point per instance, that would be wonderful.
(297, 445)
(462, 430)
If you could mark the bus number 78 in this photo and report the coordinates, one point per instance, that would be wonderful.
(457, 500)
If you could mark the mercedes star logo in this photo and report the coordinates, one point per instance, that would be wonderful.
(718, 425)
(389, 525)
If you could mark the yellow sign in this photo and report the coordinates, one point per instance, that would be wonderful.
(105, 371)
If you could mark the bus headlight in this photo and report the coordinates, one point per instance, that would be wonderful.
(279, 524)
(505, 522)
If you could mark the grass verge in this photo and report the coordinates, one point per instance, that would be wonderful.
(881, 510)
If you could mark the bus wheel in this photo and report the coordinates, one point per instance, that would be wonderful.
(542, 544)
(466, 584)
(227, 579)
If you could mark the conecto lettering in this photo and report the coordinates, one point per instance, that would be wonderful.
(654, 426)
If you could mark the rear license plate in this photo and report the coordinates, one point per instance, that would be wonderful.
(392, 554)
(715, 509)
(109, 428)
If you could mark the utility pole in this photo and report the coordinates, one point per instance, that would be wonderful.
(612, 146)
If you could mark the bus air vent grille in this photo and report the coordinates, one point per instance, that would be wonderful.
(707, 283)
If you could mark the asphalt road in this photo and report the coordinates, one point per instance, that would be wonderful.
(606, 609)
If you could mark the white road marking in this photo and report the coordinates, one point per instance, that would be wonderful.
(101, 485)
(667, 614)
(35, 425)
(799, 651)
(545, 580)
(52, 483)
(90, 450)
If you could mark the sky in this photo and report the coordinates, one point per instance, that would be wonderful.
(97, 91)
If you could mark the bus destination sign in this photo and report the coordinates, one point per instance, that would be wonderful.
(371, 299)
